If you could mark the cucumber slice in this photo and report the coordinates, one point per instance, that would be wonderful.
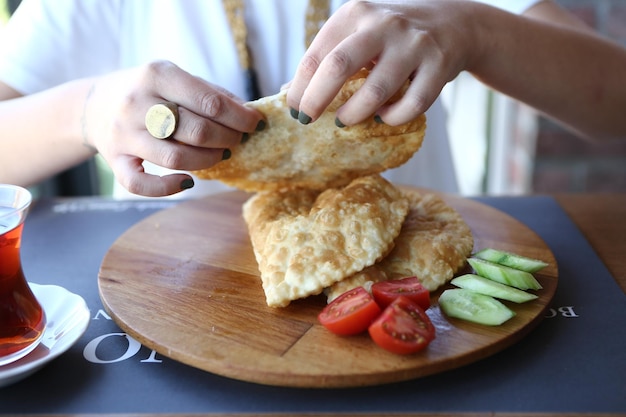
(504, 274)
(511, 260)
(495, 289)
(472, 306)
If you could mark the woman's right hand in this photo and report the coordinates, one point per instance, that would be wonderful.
(426, 42)
(211, 121)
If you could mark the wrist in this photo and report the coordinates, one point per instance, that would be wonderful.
(84, 126)
(480, 34)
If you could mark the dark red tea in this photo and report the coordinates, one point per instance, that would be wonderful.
(22, 319)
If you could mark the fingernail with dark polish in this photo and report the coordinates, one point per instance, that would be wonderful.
(261, 125)
(187, 184)
(226, 154)
(303, 118)
(378, 119)
(245, 137)
(338, 123)
(293, 112)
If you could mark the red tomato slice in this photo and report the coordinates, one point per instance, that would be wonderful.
(402, 328)
(350, 313)
(385, 292)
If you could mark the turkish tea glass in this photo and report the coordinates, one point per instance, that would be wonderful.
(22, 319)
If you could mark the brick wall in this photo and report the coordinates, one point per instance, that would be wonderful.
(565, 163)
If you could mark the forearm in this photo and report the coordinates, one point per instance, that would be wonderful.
(570, 75)
(42, 134)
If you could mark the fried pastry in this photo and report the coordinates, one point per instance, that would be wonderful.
(288, 154)
(365, 278)
(305, 241)
(433, 245)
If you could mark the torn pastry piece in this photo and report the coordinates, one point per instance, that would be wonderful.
(305, 241)
(433, 245)
(320, 155)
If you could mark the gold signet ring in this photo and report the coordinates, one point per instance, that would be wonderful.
(162, 119)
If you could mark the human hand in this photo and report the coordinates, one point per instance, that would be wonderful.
(211, 121)
(428, 42)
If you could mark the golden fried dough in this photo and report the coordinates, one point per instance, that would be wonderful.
(365, 278)
(305, 241)
(433, 245)
(288, 154)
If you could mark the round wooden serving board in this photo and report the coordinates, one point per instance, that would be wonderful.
(185, 283)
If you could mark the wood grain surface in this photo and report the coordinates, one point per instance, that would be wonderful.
(185, 283)
(601, 218)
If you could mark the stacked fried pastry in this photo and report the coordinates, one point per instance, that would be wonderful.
(323, 219)
(433, 244)
(305, 241)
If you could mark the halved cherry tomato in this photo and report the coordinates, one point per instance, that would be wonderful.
(350, 313)
(402, 328)
(385, 292)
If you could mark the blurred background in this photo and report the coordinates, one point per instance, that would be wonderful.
(524, 152)
(500, 146)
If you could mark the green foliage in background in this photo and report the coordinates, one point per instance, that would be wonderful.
(4, 12)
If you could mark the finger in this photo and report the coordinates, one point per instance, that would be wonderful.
(203, 98)
(330, 35)
(386, 78)
(173, 154)
(424, 89)
(348, 57)
(306, 70)
(198, 131)
(130, 174)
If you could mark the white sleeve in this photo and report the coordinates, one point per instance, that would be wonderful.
(48, 42)
(513, 6)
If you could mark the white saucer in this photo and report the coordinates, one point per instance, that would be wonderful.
(67, 317)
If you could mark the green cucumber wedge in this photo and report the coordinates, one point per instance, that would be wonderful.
(471, 306)
(495, 289)
(504, 274)
(511, 260)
